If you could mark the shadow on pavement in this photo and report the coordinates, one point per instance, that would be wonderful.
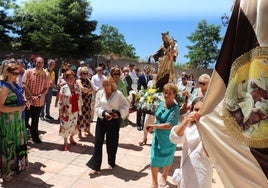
(52, 121)
(123, 173)
(78, 148)
(130, 147)
(26, 178)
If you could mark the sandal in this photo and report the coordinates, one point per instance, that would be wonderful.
(80, 134)
(154, 186)
(89, 133)
(163, 182)
(143, 142)
(72, 142)
(65, 148)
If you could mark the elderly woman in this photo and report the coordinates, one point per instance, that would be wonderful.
(13, 134)
(70, 103)
(200, 91)
(110, 106)
(121, 85)
(162, 150)
(86, 87)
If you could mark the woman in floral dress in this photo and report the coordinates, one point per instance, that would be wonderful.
(13, 135)
(86, 87)
(70, 104)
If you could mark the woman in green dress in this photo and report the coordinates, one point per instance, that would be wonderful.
(121, 86)
(13, 135)
(162, 150)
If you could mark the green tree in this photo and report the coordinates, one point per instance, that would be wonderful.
(205, 48)
(113, 42)
(6, 24)
(57, 27)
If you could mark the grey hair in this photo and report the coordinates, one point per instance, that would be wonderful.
(50, 61)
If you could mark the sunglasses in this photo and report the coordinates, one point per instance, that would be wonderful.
(15, 73)
(84, 73)
(116, 74)
(202, 83)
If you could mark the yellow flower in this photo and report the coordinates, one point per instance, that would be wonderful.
(137, 97)
(151, 91)
(150, 99)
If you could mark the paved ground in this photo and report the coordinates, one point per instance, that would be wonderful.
(52, 167)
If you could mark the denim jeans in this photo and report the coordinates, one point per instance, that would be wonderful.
(48, 99)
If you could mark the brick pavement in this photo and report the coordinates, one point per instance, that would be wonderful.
(52, 167)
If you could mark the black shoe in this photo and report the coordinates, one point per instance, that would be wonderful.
(37, 140)
(49, 117)
(139, 128)
(111, 166)
(57, 121)
(28, 126)
(42, 118)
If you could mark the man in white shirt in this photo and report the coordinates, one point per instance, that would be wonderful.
(179, 79)
(96, 81)
(184, 84)
(133, 75)
(83, 64)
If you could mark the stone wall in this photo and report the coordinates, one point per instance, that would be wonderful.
(124, 62)
(97, 59)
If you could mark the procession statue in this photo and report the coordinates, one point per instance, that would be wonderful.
(165, 57)
(147, 100)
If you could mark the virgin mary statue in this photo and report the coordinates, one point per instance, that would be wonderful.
(165, 56)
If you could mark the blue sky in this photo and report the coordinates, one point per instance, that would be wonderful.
(142, 21)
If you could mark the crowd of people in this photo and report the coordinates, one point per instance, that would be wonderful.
(26, 93)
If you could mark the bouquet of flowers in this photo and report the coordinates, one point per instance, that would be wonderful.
(148, 100)
(180, 99)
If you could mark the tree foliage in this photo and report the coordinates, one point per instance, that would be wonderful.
(205, 48)
(6, 24)
(57, 27)
(113, 42)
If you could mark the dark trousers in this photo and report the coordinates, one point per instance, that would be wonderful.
(48, 98)
(140, 118)
(33, 113)
(111, 129)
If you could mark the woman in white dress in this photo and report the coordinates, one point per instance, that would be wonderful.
(70, 103)
(195, 169)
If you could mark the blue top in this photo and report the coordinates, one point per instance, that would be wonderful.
(162, 150)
